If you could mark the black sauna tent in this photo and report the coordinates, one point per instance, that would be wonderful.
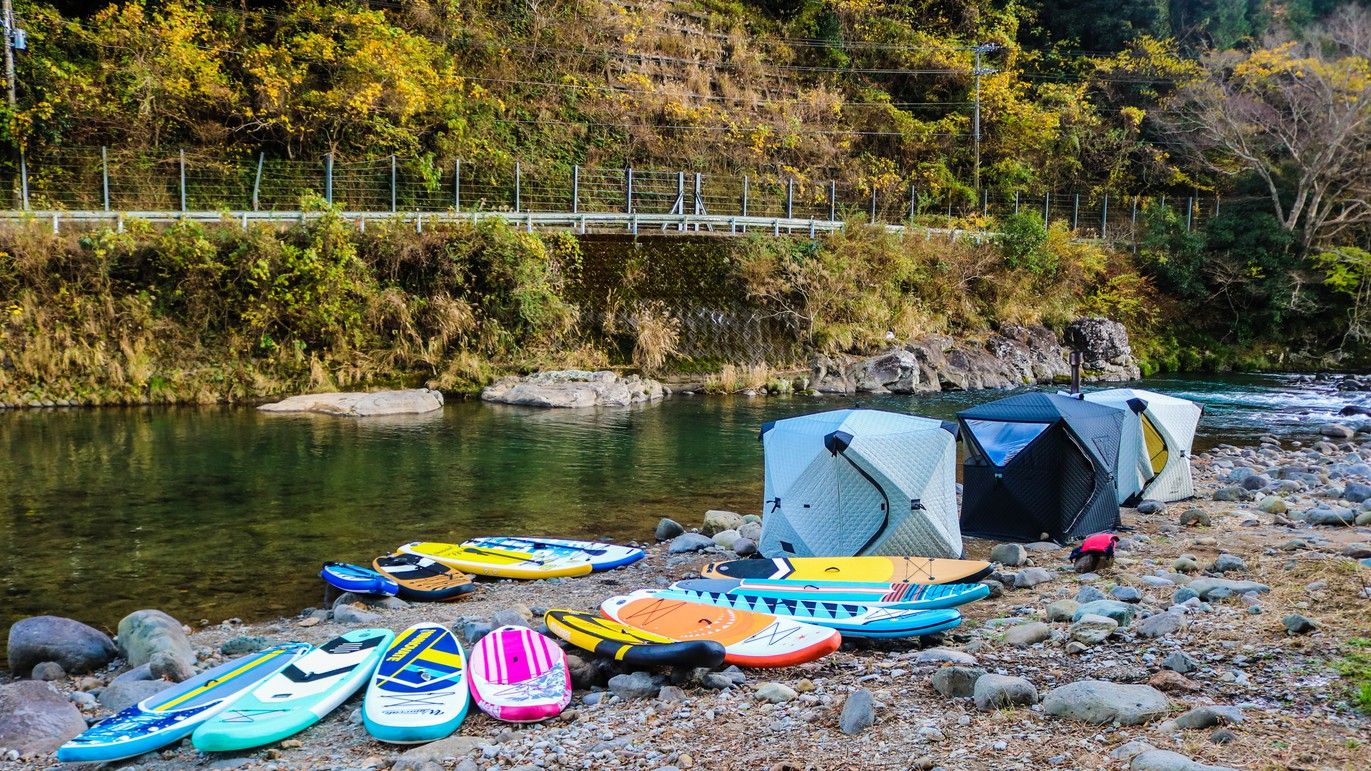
(1040, 463)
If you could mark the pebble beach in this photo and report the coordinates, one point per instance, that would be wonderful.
(1227, 634)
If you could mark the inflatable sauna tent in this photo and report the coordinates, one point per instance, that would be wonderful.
(860, 482)
(1163, 432)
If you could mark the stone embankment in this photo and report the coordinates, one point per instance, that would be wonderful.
(1225, 636)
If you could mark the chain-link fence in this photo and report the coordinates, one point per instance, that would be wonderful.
(114, 180)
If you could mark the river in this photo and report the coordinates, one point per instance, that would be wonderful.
(220, 512)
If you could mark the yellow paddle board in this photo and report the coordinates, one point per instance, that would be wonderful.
(914, 570)
(501, 563)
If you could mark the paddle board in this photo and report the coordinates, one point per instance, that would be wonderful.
(914, 570)
(849, 618)
(502, 563)
(423, 580)
(519, 676)
(634, 647)
(900, 595)
(298, 696)
(170, 715)
(603, 556)
(749, 639)
(419, 692)
(357, 579)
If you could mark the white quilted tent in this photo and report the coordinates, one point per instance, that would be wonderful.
(1166, 432)
(860, 482)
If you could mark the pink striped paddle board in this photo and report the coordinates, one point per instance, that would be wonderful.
(519, 676)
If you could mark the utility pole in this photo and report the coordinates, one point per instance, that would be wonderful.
(978, 71)
(9, 53)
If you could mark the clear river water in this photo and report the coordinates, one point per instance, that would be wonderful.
(220, 512)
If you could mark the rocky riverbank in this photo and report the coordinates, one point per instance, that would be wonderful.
(1225, 636)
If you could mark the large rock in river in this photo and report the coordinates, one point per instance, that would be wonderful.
(1105, 351)
(145, 632)
(76, 647)
(573, 388)
(361, 405)
(36, 718)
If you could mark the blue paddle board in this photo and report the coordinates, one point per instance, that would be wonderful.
(887, 595)
(359, 580)
(419, 692)
(852, 619)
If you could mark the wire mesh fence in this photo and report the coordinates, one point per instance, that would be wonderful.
(116, 180)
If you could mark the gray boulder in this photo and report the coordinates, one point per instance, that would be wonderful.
(126, 693)
(431, 755)
(1336, 431)
(1180, 662)
(1271, 505)
(956, 682)
(1062, 610)
(944, 655)
(744, 547)
(668, 529)
(371, 601)
(717, 521)
(1206, 587)
(1031, 577)
(689, 542)
(76, 647)
(1121, 613)
(1159, 625)
(361, 405)
(751, 530)
(1027, 633)
(859, 712)
(166, 665)
(1105, 352)
(36, 718)
(993, 692)
(637, 685)
(1208, 717)
(1089, 594)
(573, 389)
(775, 693)
(1092, 629)
(1009, 554)
(727, 539)
(1225, 563)
(354, 616)
(48, 671)
(1166, 760)
(1099, 702)
(144, 632)
(1334, 517)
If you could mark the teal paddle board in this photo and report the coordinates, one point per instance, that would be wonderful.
(887, 595)
(171, 715)
(851, 619)
(298, 696)
(420, 691)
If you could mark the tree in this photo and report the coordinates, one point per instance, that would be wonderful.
(1297, 114)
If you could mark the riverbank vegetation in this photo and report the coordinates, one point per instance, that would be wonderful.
(1253, 123)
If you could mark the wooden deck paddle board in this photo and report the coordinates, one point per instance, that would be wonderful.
(602, 556)
(749, 639)
(170, 715)
(419, 692)
(914, 570)
(634, 647)
(424, 580)
(298, 696)
(501, 563)
(519, 676)
(849, 618)
(898, 595)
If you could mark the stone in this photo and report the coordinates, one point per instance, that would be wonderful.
(36, 718)
(1062, 610)
(1089, 594)
(993, 692)
(717, 521)
(1271, 505)
(574, 388)
(1206, 587)
(956, 682)
(670, 693)
(1166, 760)
(1195, 517)
(716, 682)
(1356, 492)
(668, 529)
(775, 693)
(1208, 717)
(1026, 634)
(473, 631)
(1363, 519)
(636, 685)
(1233, 493)
(584, 674)
(751, 530)
(1130, 750)
(1183, 595)
(140, 672)
(126, 693)
(1172, 682)
(166, 665)
(1121, 613)
(1223, 736)
(944, 655)
(75, 647)
(144, 632)
(1126, 594)
(1151, 506)
(1336, 431)
(859, 712)
(996, 588)
(1009, 554)
(1091, 629)
(1098, 702)
(1225, 563)
(1186, 565)
(726, 538)
(47, 671)
(437, 752)
(1254, 483)
(744, 547)
(1180, 662)
(1031, 577)
(1104, 348)
(1332, 517)
(354, 616)
(1159, 625)
(373, 601)
(689, 542)
(414, 401)
(1298, 624)
(243, 645)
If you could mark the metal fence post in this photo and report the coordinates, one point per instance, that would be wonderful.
(832, 201)
(1189, 212)
(873, 202)
(1076, 213)
(1135, 224)
(1047, 204)
(518, 184)
(913, 203)
(457, 185)
(392, 184)
(1016, 203)
(328, 178)
(183, 181)
(257, 181)
(699, 196)
(628, 193)
(985, 202)
(575, 189)
(744, 196)
(1104, 218)
(24, 179)
(790, 198)
(104, 175)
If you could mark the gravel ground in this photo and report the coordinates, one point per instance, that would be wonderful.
(1294, 703)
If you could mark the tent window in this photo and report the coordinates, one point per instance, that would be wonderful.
(1157, 451)
(1002, 441)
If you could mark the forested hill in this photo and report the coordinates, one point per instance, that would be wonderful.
(1262, 110)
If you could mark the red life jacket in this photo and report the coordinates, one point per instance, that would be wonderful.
(1100, 543)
